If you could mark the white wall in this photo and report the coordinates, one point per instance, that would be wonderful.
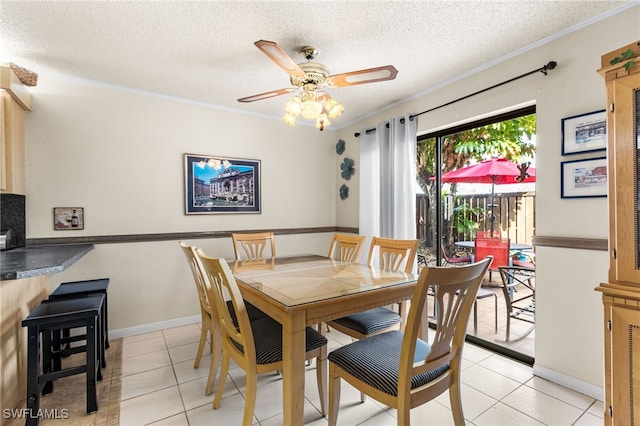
(569, 338)
(119, 154)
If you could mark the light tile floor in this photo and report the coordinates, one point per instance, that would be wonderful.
(161, 387)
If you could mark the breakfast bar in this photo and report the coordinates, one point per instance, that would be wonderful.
(24, 282)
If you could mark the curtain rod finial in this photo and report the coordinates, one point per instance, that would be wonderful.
(548, 67)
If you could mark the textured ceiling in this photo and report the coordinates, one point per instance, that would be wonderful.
(204, 50)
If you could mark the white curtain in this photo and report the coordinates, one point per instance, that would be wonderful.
(388, 180)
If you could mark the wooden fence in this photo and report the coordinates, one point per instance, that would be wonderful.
(514, 216)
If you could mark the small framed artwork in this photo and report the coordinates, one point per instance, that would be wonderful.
(584, 178)
(584, 133)
(68, 218)
(215, 184)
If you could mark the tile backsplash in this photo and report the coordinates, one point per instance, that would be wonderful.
(12, 216)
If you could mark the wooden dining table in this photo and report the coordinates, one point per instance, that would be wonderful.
(305, 290)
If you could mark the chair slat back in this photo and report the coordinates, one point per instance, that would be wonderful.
(346, 248)
(496, 247)
(250, 247)
(455, 292)
(207, 304)
(393, 253)
(487, 234)
(221, 280)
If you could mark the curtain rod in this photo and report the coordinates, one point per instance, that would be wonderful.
(543, 69)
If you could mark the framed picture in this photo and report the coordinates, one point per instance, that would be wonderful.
(68, 218)
(215, 184)
(584, 133)
(584, 178)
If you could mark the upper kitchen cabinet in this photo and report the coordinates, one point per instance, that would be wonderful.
(16, 100)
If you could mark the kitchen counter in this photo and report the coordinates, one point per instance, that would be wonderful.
(24, 282)
(26, 262)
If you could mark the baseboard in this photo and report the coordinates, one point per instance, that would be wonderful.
(569, 382)
(148, 328)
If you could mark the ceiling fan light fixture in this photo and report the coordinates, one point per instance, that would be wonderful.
(289, 119)
(322, 121)
(309, 79)
(334, 108)
(293, 107)
(311, 109)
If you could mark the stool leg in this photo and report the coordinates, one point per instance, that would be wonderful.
(92, 403)
(102, 338)
(33, 389)
(49, 364)
(106, 321)
(66, 333)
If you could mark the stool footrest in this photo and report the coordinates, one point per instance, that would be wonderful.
(49, 377)
(71, 339)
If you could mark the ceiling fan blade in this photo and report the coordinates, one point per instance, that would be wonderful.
(280, 57)
(370, 75)
(266, 95)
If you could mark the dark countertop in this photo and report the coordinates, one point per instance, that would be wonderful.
(28, 262)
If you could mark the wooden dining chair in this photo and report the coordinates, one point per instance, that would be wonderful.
(346, 248)
(255, 346)
(394, 255)
(402, 371)
(254, 247)
(209, 314)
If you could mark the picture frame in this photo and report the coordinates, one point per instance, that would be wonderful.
(68, 218)
(584, 178)
(584, 133)
(218, 185)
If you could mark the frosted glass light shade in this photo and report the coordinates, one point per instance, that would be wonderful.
(289, 119)
(311, 109)
(334, 108)
(293, 107)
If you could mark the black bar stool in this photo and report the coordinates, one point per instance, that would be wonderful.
(75, 288)
(48, 319)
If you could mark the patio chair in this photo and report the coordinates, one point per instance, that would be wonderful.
(521, 280)
(487, 234)
(496, 247)
(459, 258)
(402, 371)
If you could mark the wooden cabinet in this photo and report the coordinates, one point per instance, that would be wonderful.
(621, 294)
(14, 101)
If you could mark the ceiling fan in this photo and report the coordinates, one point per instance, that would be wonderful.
(310, 79)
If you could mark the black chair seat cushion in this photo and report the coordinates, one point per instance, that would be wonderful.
(376, 361)
(371, 321)
(267, 337)
(253, 312)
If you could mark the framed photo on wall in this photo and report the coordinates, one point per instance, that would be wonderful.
(68, 218)
(584, 178)
(215, 184)
(584, 133)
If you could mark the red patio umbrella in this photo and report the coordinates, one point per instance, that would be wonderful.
(496, 171)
